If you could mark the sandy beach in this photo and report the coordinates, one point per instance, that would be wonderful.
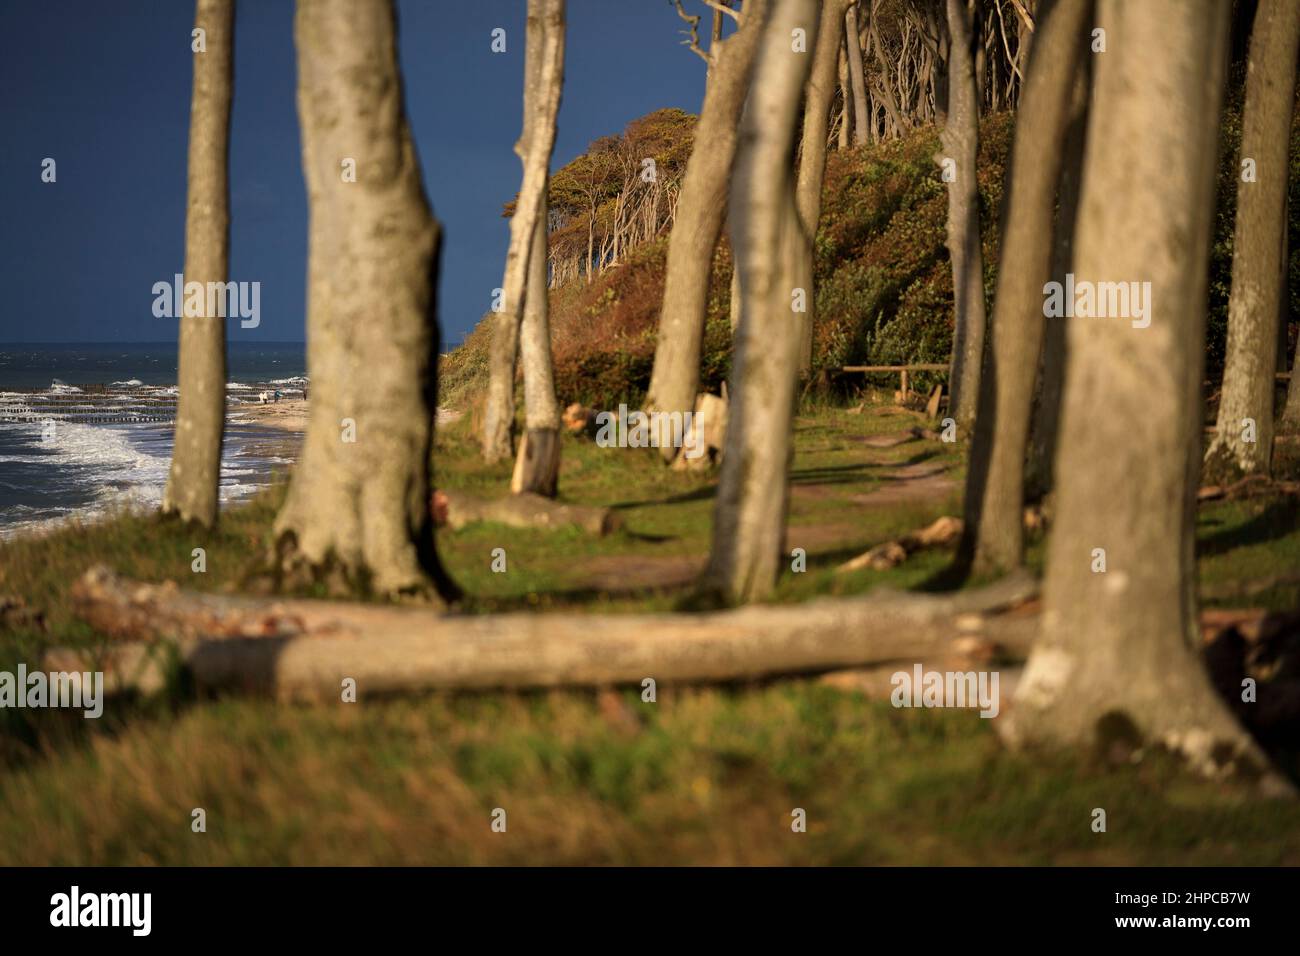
(288, 414)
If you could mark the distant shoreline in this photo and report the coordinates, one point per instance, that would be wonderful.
(288, 414)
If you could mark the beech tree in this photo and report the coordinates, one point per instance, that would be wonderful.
(1243, 437)
(675, 377)
(1290, 421)
(960, 146)
(537, 466)
(541, 106)
(1117, 663)
(193, 482)
(818, 97)
(1051, 376)
(753, 488)
(995, 478)
(857, 79)
(357, 513)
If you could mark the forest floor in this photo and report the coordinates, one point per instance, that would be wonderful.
(702, 775)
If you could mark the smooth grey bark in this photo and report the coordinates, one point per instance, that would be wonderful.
(753, 488)
(537, 467)
(857, 78)
(960, 144)
(846, 100)
(1290, 421)
(1118, 660)
(357, 512)
(1243, 437)
(734, 312)
(818, 97)
(675, 377)
(1051, 377)
(995, 491)
(541, 106)
(222, 641)
(193, 482)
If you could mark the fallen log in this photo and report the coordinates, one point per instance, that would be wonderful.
(304, 649)
(1249, 487)
(942, 532)
(527, 511)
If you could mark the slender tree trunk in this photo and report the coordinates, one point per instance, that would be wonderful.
(1051, 377)
(193, 483)
(750, 510)
(846, 101)
(1290, 421)
(885, 89)
(857, 78)
(541, 106)
(1118, 660)
(818, 96)
(675, 377)
(734, 315)
(537, 469)
(1243, 438)
(591, 241)
(1284, 300)
(994, 528)
(960, 144)
(357, 512)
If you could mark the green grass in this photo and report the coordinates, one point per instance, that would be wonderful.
(704, 775)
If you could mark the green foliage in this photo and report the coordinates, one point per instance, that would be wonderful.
(883, 282)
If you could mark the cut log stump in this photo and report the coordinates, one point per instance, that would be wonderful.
(537, 466)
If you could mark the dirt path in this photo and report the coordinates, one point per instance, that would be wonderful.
(913, 483)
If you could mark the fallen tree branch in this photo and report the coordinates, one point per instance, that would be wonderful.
(941, 533)
(305, 649)
(527, 511)
(1248, 487)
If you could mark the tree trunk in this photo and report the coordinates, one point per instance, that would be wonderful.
(734, 315)
(995, 478)
(1243, 438)
(857, 78)
(675, 378)
(1290, 422)
(960, 143)
(1118, 661)
(358, 503)
(544, 77)
(818, 96)
(537, 468)
(193, 483)
(1051, 378)
(750, 510)
(846, 101)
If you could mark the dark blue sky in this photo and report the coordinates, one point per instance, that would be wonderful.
(103, 87)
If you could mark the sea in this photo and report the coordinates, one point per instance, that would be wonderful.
(86, 429)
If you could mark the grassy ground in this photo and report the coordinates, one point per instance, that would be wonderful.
(700, 776)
